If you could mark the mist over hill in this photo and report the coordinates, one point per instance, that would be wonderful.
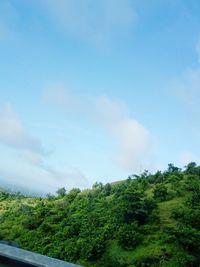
(14, 188)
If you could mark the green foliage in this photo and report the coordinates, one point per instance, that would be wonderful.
(160, 192)
(129, 236)
(172, 169)
(192, 168)
(146, 220)
(61, 192)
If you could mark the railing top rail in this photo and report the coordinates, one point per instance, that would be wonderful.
(35, 259)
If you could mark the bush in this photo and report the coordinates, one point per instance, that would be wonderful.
(129, 236)
(160, 192)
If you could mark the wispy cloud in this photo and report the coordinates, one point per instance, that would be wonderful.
(57, 94)
(14, 134)
(34, 179)
(97, 20)
(8, 17)
(33, 159)
(132, 139)
(66, 177)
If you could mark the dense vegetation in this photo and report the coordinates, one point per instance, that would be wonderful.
(147, 220)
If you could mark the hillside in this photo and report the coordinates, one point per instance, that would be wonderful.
(147, 220)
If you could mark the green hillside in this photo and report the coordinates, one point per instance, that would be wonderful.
(147, 220)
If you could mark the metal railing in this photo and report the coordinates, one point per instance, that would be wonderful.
(13, 256)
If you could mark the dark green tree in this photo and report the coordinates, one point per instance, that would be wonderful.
(61, 192)
(160, 192)
(129, 236)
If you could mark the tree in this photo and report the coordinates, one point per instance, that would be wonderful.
(129, 236)
(160, 192)
(130, 205)
(172, 168)
(107, 189)
(61, 192)
(192, 168)
(98, 185)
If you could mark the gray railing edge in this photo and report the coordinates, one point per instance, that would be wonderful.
(21, 255)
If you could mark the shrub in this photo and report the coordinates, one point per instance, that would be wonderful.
(129, 236)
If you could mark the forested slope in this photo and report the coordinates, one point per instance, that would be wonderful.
(147, 220)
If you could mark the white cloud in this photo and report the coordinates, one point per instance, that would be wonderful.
(33, 161)
(14, 134)
(131, 138)
(33, 158)
(95, 20)
(35, 174)
(68, 178)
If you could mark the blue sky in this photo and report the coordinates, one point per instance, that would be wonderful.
(97, 90)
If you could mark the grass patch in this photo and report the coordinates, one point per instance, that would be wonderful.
(165, 208)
